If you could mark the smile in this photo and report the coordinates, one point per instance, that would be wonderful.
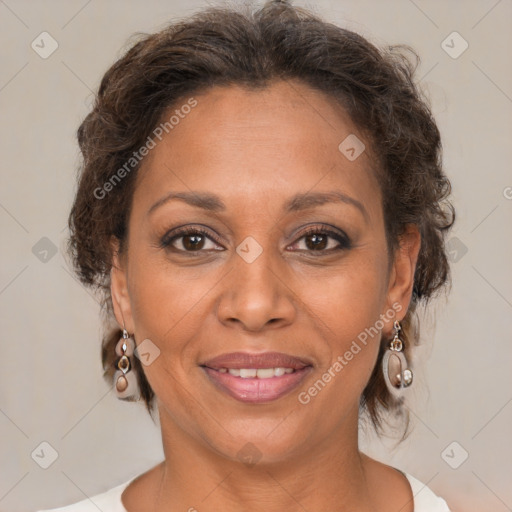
(260, 373)
(256, 378)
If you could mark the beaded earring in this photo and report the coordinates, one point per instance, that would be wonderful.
(397, 374)
(125, 379)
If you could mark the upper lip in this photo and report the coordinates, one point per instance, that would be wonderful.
(262, 360)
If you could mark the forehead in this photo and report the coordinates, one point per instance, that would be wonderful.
(258, 145)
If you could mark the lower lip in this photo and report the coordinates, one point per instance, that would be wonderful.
(254, 390)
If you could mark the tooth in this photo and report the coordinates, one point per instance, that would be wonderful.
(261, 373)
(247, 373)
(265, 373)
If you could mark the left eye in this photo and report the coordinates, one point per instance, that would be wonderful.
(317, 240)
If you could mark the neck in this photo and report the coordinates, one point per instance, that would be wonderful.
(330, 475)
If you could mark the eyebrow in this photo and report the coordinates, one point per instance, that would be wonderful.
(298, 202)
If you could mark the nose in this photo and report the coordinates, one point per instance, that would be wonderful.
(255, 295)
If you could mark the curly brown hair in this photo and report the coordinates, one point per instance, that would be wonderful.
(243, 46)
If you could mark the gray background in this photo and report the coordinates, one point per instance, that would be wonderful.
(51, 388)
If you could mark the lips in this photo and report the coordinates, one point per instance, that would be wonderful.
(240, 360)
(256, 378)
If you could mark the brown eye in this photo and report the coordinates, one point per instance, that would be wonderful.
(192, 240)
(316, 241)
(321, 240)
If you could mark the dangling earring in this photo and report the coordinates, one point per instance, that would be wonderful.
(125, 380)
(397, 375)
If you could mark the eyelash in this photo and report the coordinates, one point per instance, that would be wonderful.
(343, 240)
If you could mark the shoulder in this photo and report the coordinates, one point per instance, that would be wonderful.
(424, 498)
(108, 501)
(399, 490)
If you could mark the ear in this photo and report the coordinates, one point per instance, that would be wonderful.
(401, 279)
(119, 288)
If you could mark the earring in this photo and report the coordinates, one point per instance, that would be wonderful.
(125, 380)
(397, 375)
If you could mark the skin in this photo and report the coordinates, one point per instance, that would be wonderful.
(256, 149)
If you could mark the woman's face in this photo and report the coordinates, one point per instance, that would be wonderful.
(289, 270)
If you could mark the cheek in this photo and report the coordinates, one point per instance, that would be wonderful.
(170, 307)
(162, 301)
(351, 350)
(351, 309)
(354, 297)
(149, 299)
(163, 311)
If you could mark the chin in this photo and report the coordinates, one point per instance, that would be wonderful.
(261, 442)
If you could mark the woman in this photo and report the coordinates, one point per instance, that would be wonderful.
(262, 204)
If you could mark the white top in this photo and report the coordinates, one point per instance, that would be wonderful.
(110, 501)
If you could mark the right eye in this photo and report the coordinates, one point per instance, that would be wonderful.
(192, 240)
